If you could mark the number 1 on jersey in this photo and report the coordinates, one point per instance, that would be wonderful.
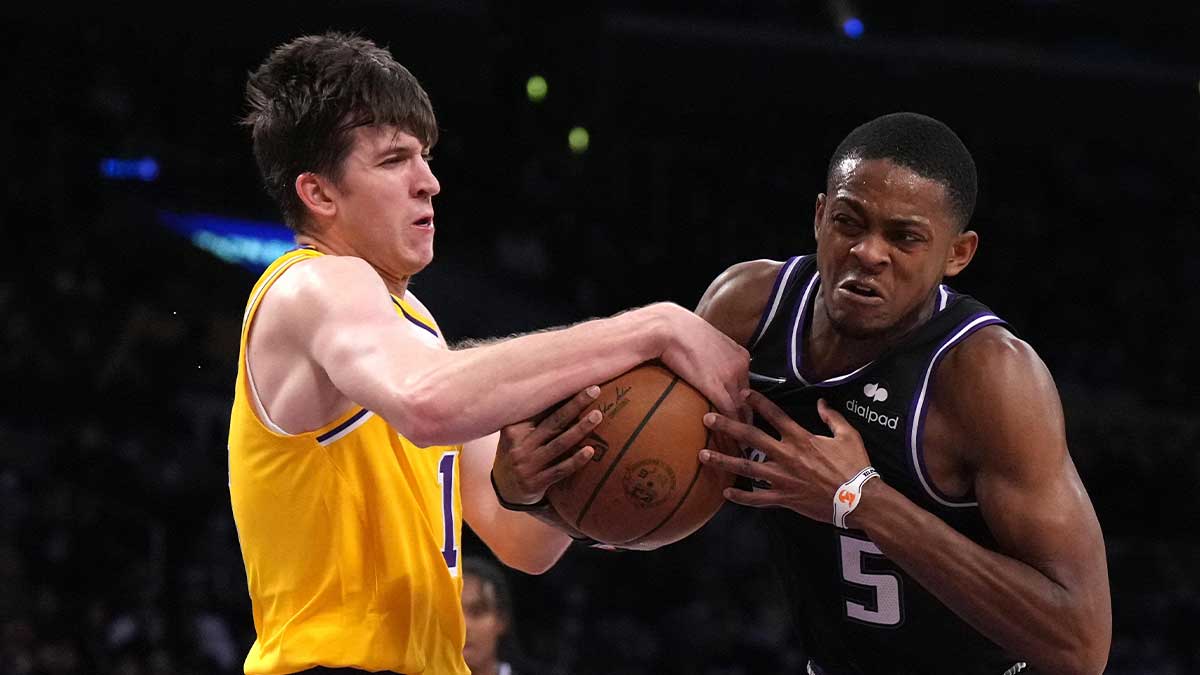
(446, 481)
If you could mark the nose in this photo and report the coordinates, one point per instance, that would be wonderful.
(425, 183)
(871, 251)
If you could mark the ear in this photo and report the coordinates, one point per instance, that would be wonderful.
(317, 194)
(818, 215)
(962, 250)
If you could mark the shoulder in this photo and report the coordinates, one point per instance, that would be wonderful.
(333, 288)
(325, 281)
(735, 300)
(995, 360)
(1001, 396)
(411, 298)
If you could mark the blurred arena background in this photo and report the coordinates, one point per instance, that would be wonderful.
(134, 222)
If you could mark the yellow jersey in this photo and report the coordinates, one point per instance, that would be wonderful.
(350, 533)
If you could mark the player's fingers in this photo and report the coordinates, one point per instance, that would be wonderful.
(726, 444)
(566, 467)
(774, 415)
(726, 402)
(565, 415)
(834, 420)
(567, 439)
(740, 431)
(746, 413)
(736, 465)
(755, 498)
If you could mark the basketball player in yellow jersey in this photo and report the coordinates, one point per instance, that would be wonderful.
(358, 441)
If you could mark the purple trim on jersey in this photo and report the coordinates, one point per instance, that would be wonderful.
(342, 427)
(797, 338)
(412, 318)
(768, 314)
(797, 342)
(843, 379)
(914, 430)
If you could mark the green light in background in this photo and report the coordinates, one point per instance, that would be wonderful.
(578, 140)
(536, 88)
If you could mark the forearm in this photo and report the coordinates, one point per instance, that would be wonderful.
(522, 541)
(470, 393)
(1012, 603)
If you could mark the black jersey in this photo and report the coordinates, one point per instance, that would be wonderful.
(856, 612)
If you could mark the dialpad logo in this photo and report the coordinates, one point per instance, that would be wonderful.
(877, 393)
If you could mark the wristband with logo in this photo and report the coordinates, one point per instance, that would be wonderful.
(847, 497)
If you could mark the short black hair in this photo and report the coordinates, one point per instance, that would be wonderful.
(308, 96)
(922, 144)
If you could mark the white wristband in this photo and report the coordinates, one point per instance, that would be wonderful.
(847, 497)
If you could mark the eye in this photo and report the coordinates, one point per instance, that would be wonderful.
(845, 220)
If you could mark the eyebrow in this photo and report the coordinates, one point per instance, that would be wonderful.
(901, 220)
(395, 149)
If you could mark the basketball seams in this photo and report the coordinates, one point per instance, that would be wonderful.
(625, 448)
(695, 478)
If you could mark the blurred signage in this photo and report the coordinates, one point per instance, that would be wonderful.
(253, 244)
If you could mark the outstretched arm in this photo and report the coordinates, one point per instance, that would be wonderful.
(337, 314)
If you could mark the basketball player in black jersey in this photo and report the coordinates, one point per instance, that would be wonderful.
(912, 461)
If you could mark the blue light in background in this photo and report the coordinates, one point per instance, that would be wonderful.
(853, 27)
(144, 169)
(253, 244)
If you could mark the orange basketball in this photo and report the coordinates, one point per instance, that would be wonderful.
(645, 486)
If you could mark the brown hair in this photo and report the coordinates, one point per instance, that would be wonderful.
(307, 98)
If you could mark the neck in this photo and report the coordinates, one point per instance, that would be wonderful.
(330, 244)
(830, 352)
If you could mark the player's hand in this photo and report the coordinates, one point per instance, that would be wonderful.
(708, 359)
(530, 455)
(802, 471)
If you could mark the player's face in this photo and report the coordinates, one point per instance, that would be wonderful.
(385, 200)
(885, 238)
(484, 623)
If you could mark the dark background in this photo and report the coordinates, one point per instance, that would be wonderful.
(711, 124)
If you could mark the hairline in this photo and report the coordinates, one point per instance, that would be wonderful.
(835, 164)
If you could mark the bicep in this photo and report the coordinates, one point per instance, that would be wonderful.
(347, 325)
(1028, 490)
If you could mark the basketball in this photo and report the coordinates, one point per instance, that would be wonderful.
(644, 487)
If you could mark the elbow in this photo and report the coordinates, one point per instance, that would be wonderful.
(422, 414)
(1092, 657)
(1087, 654)
(1088, 662)
(534, 566)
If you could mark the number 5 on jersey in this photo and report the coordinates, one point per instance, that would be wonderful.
(887, 609)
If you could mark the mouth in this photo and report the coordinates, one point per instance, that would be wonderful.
(425, 221)
(860, 291)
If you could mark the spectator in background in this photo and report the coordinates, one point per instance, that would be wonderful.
(487, 603)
